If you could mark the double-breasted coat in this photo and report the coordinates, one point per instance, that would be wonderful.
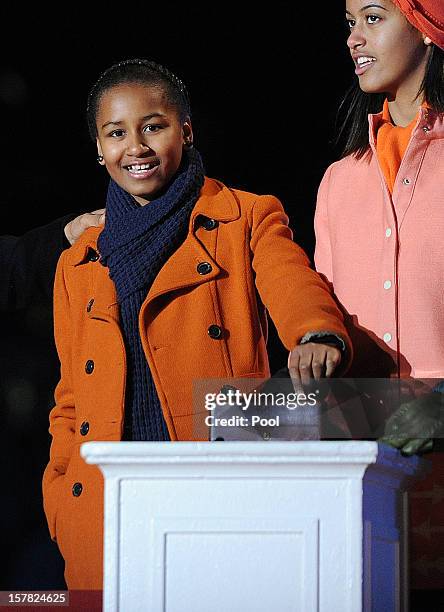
(204, 317)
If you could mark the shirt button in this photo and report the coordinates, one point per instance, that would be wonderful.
(215, 332)
(89, 366)
(204, 268)
(387, 337)
(387, 284)
(406, 181)
(388, 232)
(77, 489)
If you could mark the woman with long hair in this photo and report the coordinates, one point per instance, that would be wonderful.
(380, 215)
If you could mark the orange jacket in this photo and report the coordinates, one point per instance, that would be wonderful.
(246, 242)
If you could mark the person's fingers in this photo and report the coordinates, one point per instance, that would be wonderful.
(412, 446)
(397, 442)
(416, 446)
(98, 219)
(310, 362)
(89, 220)
(333, 359)
(93, 219)
(293, 369)
(84, 221)
(305, 370)
(75, 228)
(318, 364)
(409, 446)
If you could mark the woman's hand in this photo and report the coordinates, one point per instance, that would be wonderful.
(312, 361)
(75, 228)
(415, 424)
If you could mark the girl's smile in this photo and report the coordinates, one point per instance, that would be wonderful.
(363, 62)
(142, 170)
(141, 138)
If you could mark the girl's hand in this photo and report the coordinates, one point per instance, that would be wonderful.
(312, 361)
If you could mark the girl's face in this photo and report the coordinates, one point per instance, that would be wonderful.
(141, 138)
(389, 54)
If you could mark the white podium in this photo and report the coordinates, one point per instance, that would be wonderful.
(254, 526)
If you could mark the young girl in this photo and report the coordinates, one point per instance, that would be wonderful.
(380, 213)
(165, 295)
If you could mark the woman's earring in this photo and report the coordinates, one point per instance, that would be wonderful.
(100, 158)
(188, 144)
(427, 41)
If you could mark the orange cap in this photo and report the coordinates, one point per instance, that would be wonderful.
(427, 16)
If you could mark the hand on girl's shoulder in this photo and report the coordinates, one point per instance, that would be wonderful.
(75, 228)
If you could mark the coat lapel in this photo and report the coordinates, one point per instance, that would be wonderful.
(101, 288)
(216, 202)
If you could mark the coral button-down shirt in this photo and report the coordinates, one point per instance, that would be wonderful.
(383, 249)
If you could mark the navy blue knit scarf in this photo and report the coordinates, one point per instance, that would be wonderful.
(135, 244)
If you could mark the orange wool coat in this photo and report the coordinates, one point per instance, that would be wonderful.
(246, 242)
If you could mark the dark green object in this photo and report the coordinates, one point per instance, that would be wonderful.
(414, 426)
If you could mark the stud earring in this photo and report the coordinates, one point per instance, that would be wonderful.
(427, 41)
(188, 144)
(100, 158)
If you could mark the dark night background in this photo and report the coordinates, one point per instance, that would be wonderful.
(265, 84)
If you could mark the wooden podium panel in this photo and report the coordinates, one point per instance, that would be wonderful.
(253, 526)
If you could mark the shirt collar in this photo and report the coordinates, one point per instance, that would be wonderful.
(428, 123)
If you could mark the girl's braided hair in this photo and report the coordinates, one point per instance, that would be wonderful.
(145, 72)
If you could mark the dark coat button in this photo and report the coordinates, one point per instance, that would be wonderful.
(92, 255)
(209, 224)
(215, 332)
(77, 489)
(204, 268)
(84, 428)
(89, 366)
(90, 305)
